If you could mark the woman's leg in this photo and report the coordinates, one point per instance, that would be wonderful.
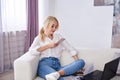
(47, 70)
(72, 68)
(49, 66)
(44, 70)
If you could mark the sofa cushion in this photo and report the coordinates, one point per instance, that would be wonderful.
(66, 58)
(38, 78)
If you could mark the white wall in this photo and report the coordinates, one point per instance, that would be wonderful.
(46, 8)
(84, 25)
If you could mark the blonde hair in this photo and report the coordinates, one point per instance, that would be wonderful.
(48, 21)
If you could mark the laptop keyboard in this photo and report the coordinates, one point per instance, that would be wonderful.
(96, 75)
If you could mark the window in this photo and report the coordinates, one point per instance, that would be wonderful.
(13, 15)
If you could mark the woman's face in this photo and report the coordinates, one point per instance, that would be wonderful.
(51, 28)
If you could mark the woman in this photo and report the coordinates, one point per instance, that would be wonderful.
(48, 46)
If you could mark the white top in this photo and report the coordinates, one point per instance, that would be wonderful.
(51, 52)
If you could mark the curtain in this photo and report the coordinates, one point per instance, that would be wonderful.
(32, 22)
(117, 7)
(1, 42)
(12, 32)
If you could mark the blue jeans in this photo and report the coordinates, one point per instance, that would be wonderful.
(51, 64)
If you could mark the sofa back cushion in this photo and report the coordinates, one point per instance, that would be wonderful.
(96, 56)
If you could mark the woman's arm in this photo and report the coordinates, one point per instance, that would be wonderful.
(36, 47)
(47, 46)
(70, 49)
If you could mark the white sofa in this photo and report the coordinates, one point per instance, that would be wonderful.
(25, 67)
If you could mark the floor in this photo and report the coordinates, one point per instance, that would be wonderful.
(7, 75)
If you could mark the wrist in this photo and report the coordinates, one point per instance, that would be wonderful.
(48, 46)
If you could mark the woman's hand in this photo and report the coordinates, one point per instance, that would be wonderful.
(75, 57)
(53, 44)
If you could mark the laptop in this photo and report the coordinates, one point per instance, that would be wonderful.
(109, 71)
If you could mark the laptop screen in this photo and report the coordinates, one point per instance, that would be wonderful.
(110, 69)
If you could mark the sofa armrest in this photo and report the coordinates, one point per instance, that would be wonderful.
(25, 67)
